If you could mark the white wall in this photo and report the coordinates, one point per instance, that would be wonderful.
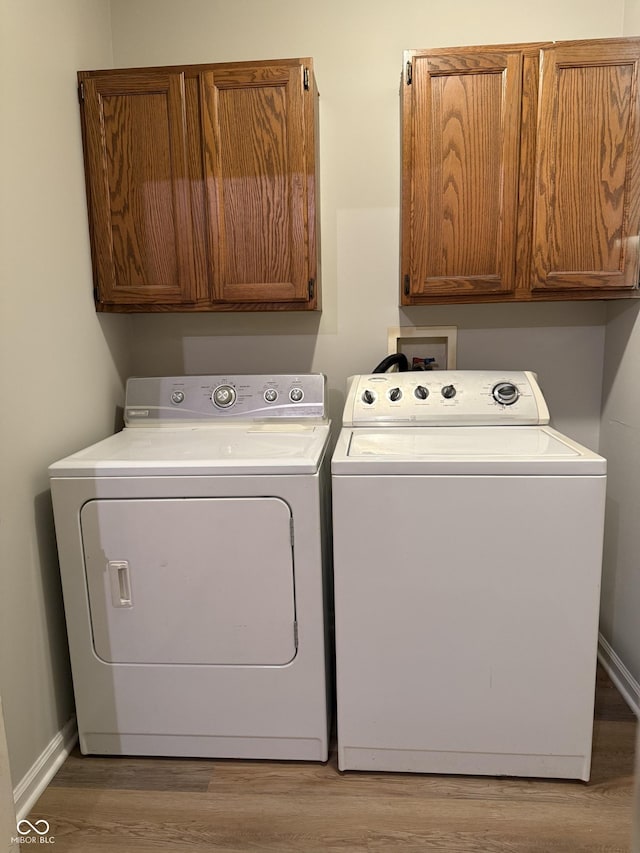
(631, 22)
(357, 49)
(61, 368)
(620, 443)
(7, 811)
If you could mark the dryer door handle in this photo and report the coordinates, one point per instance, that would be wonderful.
(120, 582)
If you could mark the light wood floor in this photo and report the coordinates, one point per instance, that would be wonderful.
(190, 806)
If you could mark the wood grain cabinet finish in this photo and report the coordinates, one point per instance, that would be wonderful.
(460, 181)
(587, 191)
(136, 169)
(520, 173)
(201, 186)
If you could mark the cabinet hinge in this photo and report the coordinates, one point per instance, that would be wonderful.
(312, 287)
(305, 78)
(81, 92)
(407, 285)
(409, 73)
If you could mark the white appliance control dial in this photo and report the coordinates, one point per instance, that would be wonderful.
(505, 393)
(177, 397)
(421, 393)
(449, 392)
(270, 395)
(296, 395)
(224, 396)
(368, 397)
(395, 394)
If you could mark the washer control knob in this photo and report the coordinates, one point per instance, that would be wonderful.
(177, 397)
(224, 396)
(421, 392)
(395, 394)
(296, 395)
(505, 393)
(270, 395)
(368, 397)
(449, 392)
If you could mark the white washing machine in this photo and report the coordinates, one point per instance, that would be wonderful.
(467, 561)
(193, 551)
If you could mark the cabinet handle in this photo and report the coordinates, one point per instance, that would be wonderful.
(407, 285)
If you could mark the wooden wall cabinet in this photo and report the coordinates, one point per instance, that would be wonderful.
(520, 172)
(201, 186)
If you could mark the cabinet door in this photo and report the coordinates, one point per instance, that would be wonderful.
(461, 134)
(587, 195)
(258, 140)
(134, 128)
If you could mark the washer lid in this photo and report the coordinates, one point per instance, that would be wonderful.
(269, 448)
(509, 450)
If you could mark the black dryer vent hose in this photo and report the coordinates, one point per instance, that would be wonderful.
(398, 358)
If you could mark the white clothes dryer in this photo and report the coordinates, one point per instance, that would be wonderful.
(193, 552)
(467, 561)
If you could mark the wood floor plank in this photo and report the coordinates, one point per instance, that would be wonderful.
(140, 805)
(485, 842)
(134, 774)
(335, 820)
(609, 704)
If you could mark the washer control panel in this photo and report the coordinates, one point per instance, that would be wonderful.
(196, 399)
(477, 397)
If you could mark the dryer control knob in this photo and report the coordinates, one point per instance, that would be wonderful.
(368, 397)
(395, 394)
(505, 393)
(421, 392)
(177, 397)
(449, 392)
(224, 396)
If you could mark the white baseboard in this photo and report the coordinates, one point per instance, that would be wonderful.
(619, 674)
(44, 768)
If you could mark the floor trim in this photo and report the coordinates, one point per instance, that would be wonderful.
(619, 674)
(44, 768)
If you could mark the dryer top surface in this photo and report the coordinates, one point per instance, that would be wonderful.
(247, 449)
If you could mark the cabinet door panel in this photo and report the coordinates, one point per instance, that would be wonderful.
(256, 143)
(587, 179)
(135, 142)
(461, 133)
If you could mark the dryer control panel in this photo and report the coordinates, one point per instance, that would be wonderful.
(451, 397)
(196, 399)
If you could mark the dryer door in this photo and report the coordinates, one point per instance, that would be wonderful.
(190, 581)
